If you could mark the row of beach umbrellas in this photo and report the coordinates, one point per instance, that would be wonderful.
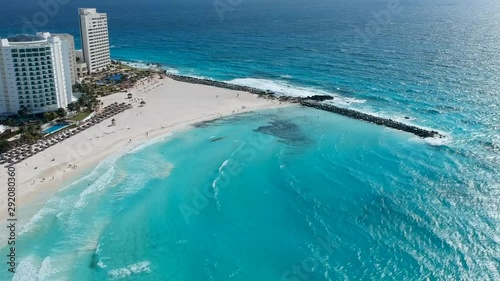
(20, 153)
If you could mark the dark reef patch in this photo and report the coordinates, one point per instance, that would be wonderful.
(286, 131)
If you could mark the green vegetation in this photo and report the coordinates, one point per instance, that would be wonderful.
(29, 124)
(86, 103)
(80, 116)
(100, 84)
(29, 127)
(31, 133)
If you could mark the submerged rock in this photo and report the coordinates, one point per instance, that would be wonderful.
(285, 131)
(320, 98)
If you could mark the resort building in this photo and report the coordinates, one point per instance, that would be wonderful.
(95, 39)
(81, 66)
(33, 74)
(68, 43)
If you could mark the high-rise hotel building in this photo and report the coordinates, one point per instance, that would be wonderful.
(34, 74)
(68, 45)
(95, 39)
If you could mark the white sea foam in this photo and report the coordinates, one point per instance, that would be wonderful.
(171, 70)
(144, 65)
(139, 64)
(48, 210)
(98, 185)
(49, 268)
(104, 164)
(130, 270)
(101, 264)
(198, 76)
(215, 185)
(439, 141)
(152, 167)
(221, 173)
(148, 143)
(216, 181)
(283, 88)
(27, 269)
(57, 206)
(276, 86)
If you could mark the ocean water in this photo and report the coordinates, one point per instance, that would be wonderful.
(261, 195)
(292, 194)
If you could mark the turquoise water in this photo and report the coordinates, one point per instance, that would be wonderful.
(55, 128)
(114, 78)
(315, 198)
(282, 189)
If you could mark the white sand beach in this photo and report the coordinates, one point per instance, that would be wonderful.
(170, 105)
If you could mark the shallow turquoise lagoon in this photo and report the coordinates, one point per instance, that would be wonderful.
(282, 194)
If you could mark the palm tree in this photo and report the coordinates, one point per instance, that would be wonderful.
(4, 145)
(23, 111)
(61, 112)
(31, 133)
(49, 116)
(74, 106)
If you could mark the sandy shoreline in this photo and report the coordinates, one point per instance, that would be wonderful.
(170, 105)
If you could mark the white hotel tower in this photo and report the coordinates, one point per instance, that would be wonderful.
(33, 74)
(95, 39)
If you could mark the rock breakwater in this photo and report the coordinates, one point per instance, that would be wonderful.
(314, 102)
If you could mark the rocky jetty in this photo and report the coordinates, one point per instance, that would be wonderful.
(314, 102)
(218, 84)
(320, 98)
(423, 133)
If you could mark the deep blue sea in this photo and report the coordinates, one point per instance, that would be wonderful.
(296, 193)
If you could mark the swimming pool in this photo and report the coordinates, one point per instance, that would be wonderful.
(113, 78)
(55, 128)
